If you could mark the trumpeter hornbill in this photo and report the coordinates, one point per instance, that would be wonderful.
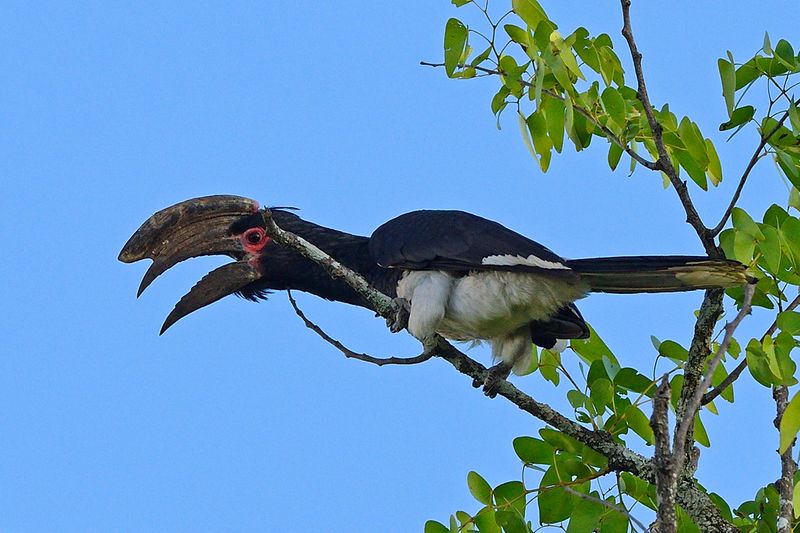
(459, 275)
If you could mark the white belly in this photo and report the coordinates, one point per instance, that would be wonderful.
(482, 305)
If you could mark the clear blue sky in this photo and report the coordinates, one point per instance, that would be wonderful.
(240, 419)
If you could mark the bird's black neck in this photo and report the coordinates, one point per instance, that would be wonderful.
(283, 268)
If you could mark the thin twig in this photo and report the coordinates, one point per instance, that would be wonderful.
(664, 162)
(380, 361)
(752, 163)
(711, 395)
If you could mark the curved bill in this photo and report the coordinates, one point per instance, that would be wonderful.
(193, 228)
(216, 284)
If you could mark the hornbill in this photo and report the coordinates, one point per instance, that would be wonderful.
(457, 274)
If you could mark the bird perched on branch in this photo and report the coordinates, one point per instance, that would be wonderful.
(456, 274)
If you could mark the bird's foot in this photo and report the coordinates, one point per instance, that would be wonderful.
(494, 377)
(400, 321)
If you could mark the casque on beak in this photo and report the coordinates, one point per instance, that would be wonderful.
(194, 228)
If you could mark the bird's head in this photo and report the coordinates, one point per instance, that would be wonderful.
(210, 225)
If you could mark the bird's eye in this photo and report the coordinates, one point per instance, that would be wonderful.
(254, 239)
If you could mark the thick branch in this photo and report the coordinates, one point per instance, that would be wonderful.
(710, 311)
(695, 402)
(664, 163)
(734, 375)
(788, 466)
(752, 163)
(666, 475)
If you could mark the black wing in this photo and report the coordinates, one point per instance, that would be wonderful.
(459, 241)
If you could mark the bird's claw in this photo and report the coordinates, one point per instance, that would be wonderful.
(400, 321)
(496, 374)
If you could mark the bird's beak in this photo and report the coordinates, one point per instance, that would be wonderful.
(196, 227)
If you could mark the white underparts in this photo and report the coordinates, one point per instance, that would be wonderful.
(531, 260)
(490, 305)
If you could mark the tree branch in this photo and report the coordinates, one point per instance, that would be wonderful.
(711, 395)
(694, 404)
(753, 160)
(666, 475)
(664, 162)
(693, 499)
(788, 466)
(380, 361)
(710, 311)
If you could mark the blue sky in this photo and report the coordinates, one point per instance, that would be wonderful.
(240, 419)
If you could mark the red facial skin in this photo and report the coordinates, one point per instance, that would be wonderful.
(254, 240)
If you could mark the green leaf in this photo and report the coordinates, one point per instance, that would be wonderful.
(485, 521)
(614, 522)
(746, 73)
(770, 248)
(693, 139)
(432, 526)
(790, 423)
(700, 434)
(614, 155)
(714, 170)
(785, 54)
(526, 135)
(480, 58)
(517, 34)
(767, 47)
(796, 499)
(585, 517)
(692, 167)
(560, 441)
(533, 451)
(728, 76)
(499, 101)
(459, 3)
(744, 223)
(548, 366)
(510, 496)
(455, 42)
(673, 350)
(758, 364)
(629, 378)
(511, 522)
(541, 142)
(592, 349)
(639, 423)
(789, 321)
(602, 393)
(794, 118)
(614, 105)
(739, 116)
(529, 11)
(555, 505)
(553, 109)
(479, 488)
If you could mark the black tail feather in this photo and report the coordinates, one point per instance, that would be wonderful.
(668, 273)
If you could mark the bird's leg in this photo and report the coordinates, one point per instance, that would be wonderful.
(400, 321)
(494, 376)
